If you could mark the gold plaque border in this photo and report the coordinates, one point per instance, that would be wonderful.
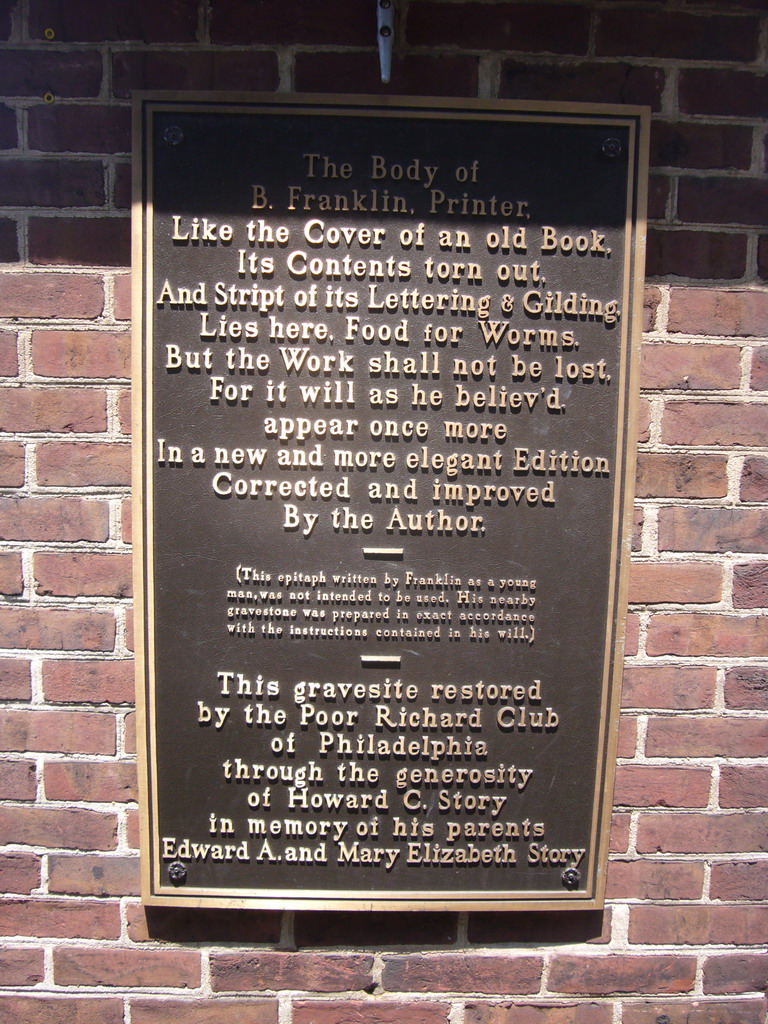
(637, 121)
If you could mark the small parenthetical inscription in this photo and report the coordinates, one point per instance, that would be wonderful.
(383, 439)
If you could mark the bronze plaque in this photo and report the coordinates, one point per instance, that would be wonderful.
(383, 417)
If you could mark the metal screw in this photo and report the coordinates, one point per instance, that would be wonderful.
(386, 4)
(611, 148)
(49, 34)
(571, 878)
(385, 30)
(49, 98)
(662, 1019)
(177, 873)
(174, 136)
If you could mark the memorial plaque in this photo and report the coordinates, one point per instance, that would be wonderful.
(384, 448)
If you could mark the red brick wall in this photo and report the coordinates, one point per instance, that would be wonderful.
(684, 935)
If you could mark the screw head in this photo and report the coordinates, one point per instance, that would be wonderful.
(49, 34)
(570, 878)
(386, 30)
(611, 148)
(385, 4)
(663, 1019)
(173, 135)
(177, 873)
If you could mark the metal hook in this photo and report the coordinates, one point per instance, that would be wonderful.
(385, 19)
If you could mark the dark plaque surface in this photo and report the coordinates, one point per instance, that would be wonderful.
(383, 418)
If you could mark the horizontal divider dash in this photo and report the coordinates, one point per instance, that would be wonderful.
(380, 660)
(383, 553)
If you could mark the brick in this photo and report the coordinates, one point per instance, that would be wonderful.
(631, 635)
(101, 354)
(123, 297)
(651, 303)
(583, 82)
(58, 409)
(627, 744)
(689, 528)
(73, 128)
(66, 732)
(693, 925)
(195, 69)
(174, 22)
(442, 972)
(724, 92)
(669, 686)
(527, 1013)
(371, 1011)
(124, 411)
(291, 21)
(61, 919)
(658, 196)
(638, 518)
(476, 26)
(708, 311)
(129, 968)
(182, 925)
(438, 75)
(206, 1011)
(726, 975)
(132, 829)
(88, 682)
(744, 786)
(708, 636)
(740, 880)
(15, 679)
(9, 357)
(648, 786)
(17, 780)
(339, 929)
(130, 733)
(53, 183)
(50, 1009)
(314, 972)
(22, 966)
(700, 255)
(93, 782)
(537, 928)
(79, 241)
(750, 585)
(33, 72)
(9, 240)
(126, 514)
(19, 872)
(83, 464)
(695, 367)
(620, 833)
(649, 33)
(715, 200)
(697, 1011)
(93, 875)
(122, 189)
(52, 295)
(675, 582)
(754, 480)
(654, 880)
(661, 475)
(701, 146)
(56, 519)
(688, 736)
(11, 582)
(12, 463)
(613, 975)
(86, 575)
(643, 420)
(746, 688)
(57, 629)
(58, 827)
(759, 377)
(707, 423)
(684, 832)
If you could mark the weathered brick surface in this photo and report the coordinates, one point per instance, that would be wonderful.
(684, 937)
